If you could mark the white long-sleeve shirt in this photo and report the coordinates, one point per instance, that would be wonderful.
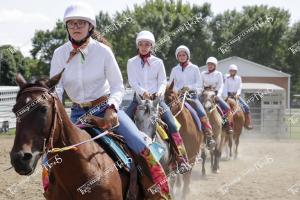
(87, 80)
(233, 85)
(214, 80)
(189, 77)
(148, 78)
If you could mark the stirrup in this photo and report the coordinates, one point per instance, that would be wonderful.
(184, 168)
(211, 143)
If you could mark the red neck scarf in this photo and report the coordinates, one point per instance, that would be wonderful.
(184, 64)
(145, 59)
(77, 49)
(211, 71)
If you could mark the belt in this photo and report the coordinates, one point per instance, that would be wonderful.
(92, 103)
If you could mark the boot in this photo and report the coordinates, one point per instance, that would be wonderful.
(228, 121)
(160, 185)
(248, 121)
(182, 164)
(207, 130)
(228, 126)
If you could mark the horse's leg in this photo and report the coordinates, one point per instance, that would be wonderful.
(230, 145)
(55, 192)
(186, 184)
(237, 141)
(212, 157)
(217, 157)
(203, 156)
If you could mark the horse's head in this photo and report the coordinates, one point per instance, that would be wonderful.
(208, 98)
(172, 98)
(146, 115)
(34, 110)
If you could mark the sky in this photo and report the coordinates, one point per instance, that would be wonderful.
(20, 19)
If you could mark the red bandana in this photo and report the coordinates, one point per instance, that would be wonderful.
(145, 58)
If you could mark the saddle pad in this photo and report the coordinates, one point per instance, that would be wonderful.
(157, 150)
(115, 148)
(161, 131)
(194, 115)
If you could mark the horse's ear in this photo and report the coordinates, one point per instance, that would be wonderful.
(20, 80)
(139, 99)
(55, 79)
(157, 100)
(171, 85)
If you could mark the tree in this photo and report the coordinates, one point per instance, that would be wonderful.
(256, 33)
(291, 59)
(8, 67)
(44, 43)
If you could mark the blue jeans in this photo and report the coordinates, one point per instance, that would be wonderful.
(224, 106)
(134, 139)
(197, 105)
(245, 106)
(166, 117)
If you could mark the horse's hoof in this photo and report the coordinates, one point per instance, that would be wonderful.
(216, 171)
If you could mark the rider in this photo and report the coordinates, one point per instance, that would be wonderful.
(186, 77)
(214, 79)
(233, 87)
(147, 76)
(92, 77)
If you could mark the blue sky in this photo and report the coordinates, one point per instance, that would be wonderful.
(19, 19)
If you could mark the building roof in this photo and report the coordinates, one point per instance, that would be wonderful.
(261, 86)
(247, 68)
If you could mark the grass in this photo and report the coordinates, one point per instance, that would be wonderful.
(11, 132)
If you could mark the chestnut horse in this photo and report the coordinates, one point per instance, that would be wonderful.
(239, 121)
(48, 126)
(192, 137)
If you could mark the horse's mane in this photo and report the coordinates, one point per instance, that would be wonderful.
(37, 83)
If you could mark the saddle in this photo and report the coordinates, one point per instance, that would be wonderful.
(117, 149)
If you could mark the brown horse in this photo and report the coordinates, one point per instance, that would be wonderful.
(239, 121)
(192, 137)
(209, 104)
(48, 126)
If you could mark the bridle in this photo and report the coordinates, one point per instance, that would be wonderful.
(56, 116)
(177, 101)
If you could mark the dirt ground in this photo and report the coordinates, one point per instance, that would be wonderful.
(266, 169)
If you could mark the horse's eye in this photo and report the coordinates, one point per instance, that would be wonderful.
(43, 109)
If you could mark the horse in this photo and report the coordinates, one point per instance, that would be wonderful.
(46, 126)
(191, 135)
(146, 118)
(208, 99)
(239, 121)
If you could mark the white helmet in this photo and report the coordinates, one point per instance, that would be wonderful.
(233, 67)
(183, 48)
(80, 11)
(212, 60)
(145, 36)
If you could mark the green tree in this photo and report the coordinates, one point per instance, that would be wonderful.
(44, 43)
(260, 44)
(8, 67)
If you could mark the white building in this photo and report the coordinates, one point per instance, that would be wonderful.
(8, 96)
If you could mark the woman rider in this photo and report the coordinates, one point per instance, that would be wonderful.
(147, 77)
(91, 77)
(233, 87)
(186, 77)
(214, 79)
